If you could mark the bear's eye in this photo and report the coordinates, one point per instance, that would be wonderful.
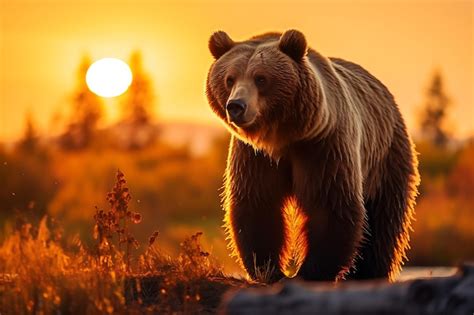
(260, 80)
(229, 81)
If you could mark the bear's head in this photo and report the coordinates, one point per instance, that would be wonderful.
(256, 87)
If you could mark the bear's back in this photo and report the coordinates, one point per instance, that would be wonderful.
(377, 109)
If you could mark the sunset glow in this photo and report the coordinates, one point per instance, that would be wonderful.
(109, 77)
(42, 57)
(125, 188)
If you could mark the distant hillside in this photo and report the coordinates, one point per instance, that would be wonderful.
(199, 136)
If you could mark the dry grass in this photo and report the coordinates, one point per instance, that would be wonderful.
(40, 275)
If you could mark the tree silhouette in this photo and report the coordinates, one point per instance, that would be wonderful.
(137, 107)
(433, 115)
(86, 112)
(29, 142)
(138, 104)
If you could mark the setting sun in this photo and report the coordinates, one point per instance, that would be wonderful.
(109, 77)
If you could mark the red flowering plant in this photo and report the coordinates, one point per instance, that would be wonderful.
(116, 222)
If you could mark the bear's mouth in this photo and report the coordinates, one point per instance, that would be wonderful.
(243, 125)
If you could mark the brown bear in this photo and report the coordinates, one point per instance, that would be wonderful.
(320, 130)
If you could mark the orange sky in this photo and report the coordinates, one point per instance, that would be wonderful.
(41, 44)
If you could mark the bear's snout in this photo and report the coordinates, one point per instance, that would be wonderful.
(236, 110)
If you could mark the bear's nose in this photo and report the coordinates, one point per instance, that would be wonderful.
(236, 109)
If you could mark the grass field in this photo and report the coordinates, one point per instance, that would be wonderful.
(40, 274)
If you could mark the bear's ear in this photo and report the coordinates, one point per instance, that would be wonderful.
(293, 43)
(220, 43)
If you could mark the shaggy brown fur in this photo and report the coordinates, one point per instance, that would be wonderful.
(325, 132)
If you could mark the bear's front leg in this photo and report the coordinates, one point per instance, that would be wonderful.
(255, 191)
(328, 190)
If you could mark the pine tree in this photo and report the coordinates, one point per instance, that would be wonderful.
(87, 110)
(433, 116)
(137, 106)
(29, 142)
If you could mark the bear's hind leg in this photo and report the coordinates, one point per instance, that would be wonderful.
(390, 212)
